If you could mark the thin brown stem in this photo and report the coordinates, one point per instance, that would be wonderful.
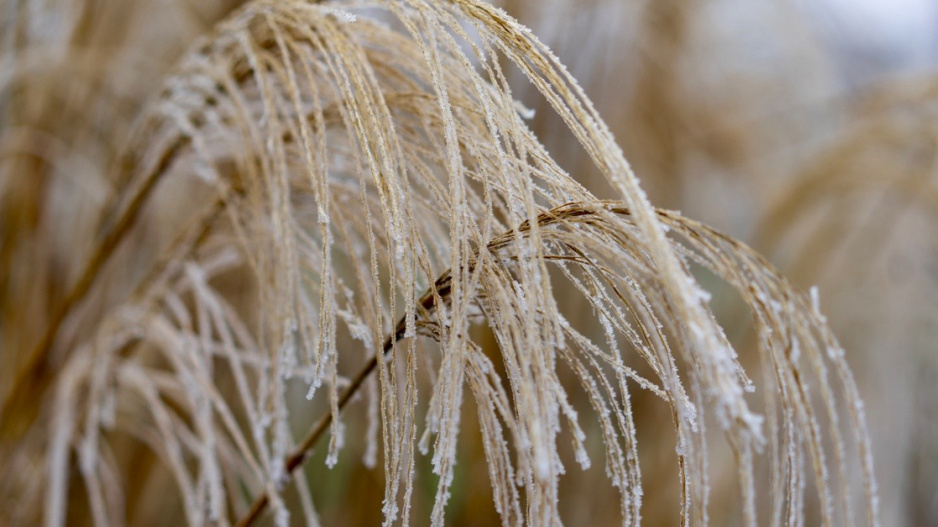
(301, 453)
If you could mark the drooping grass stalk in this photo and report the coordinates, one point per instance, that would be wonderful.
(368, 157)
(586, 213)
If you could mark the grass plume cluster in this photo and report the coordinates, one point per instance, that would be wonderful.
(333, 198)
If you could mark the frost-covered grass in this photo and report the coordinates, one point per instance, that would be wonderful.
(345, 200)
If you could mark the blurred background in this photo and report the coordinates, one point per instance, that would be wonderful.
(807, 129)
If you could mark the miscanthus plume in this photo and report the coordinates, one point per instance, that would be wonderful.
(333, 198)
